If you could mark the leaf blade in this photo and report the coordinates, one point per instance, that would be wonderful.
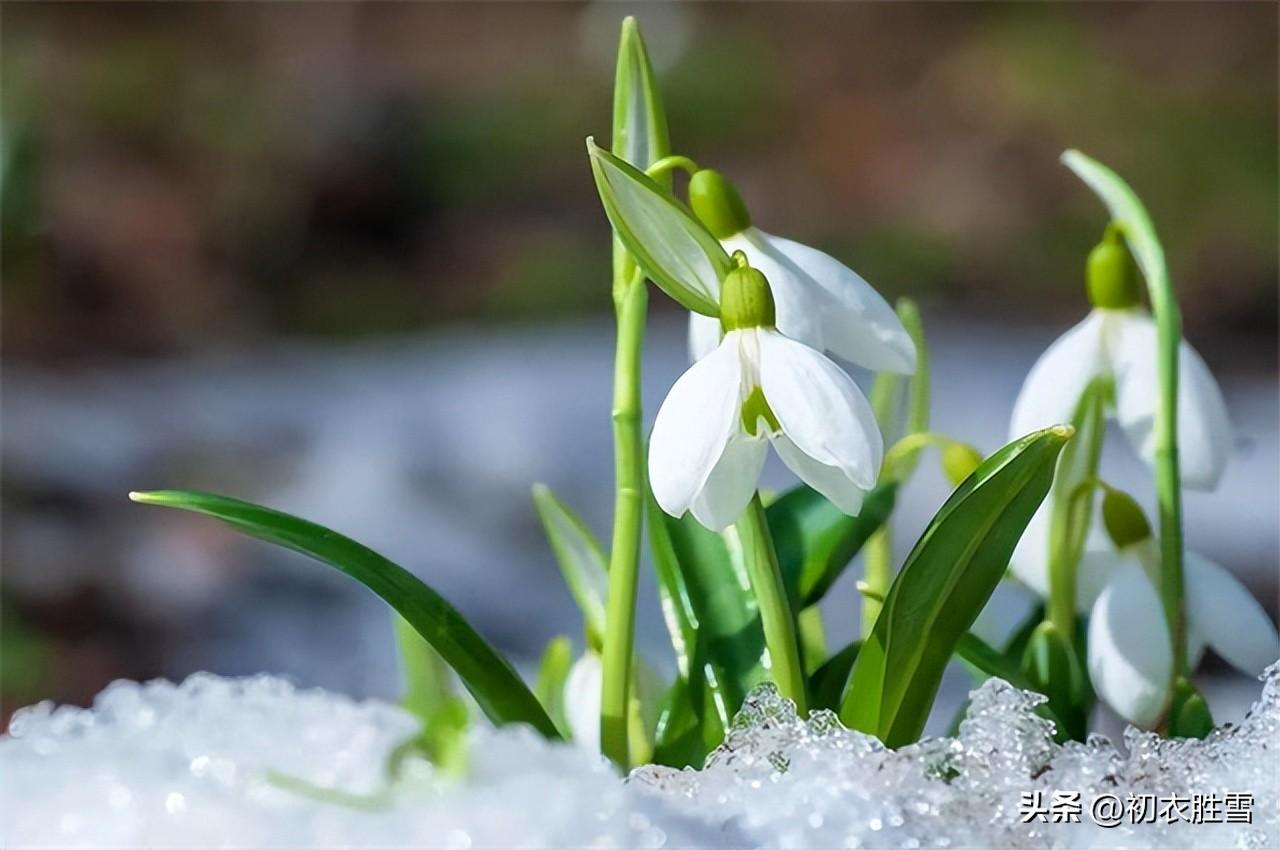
(943, 585)
(483, 671)
(580, 556)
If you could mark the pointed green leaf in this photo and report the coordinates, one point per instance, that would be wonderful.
(489, 677)
(944, 584)
(553, 672)
(639, 122)
(671, 246)
(827, 683)
(711, 612)
(580, 556)
(816, 541)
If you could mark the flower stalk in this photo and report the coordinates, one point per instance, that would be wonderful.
(1130, 218)
(776, 616)
(640, 137)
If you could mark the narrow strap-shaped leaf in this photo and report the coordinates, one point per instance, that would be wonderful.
(816, 541)
(672, 247)
(483, 671)
(711, 613)
(826, 685)
(581, 558)
(553, 672)
(944, 584)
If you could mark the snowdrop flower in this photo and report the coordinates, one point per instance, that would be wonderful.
(1130, 657)
(757, 387)
(1118, 338)
(820, 301)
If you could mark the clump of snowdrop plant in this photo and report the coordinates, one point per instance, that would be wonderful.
(1127, 610)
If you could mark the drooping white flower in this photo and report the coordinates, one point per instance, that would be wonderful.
(755, 388)
(1118, 339)
(1130, 657)
(820, 301)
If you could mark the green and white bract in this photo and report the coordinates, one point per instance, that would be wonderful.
(1122, 344)
(754, 388)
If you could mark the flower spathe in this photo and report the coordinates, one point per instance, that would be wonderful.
(1121, 343)
(755, 388)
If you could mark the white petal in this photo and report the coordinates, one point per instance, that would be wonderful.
(857, 323)
(582, 701)
(830, 481)
(693, 426)
(1228, 617)
(820, 408)
(1053, 386)
(731, 484)
(1204, 429)
(704, 336)
(796, 297)
(1099, 560)
(1130, 661)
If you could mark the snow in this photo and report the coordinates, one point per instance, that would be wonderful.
(258, 762)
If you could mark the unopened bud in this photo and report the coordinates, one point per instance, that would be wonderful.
(745, 299)
(717, 204)
(1124, 519)
(1111, 276)
(959, 460)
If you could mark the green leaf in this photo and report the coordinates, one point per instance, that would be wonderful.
(816, 541)
(553, 672)
(827, 683)
(639, 121)
(430, 696)
(486, 674)
(944, 584)
(671, 246)
(581, 558)
(711, 613)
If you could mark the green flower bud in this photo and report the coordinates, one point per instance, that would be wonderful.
(1110, 273)
(959, 460)
(745, 299)
(1189, 715)
(717, 204)
(1125, 521)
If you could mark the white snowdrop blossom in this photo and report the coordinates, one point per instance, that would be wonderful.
(1130, 656)
(1118, 339)
(820, 301)
(755, 388)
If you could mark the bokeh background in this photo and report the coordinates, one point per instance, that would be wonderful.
(347, 260)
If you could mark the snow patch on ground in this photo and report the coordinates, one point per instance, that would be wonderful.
(257, 762)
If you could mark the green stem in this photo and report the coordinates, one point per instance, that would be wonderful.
(668, 164)
(1168, 318)
(631, 302)
(776, 616)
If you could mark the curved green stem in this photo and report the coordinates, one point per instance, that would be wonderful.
(668, 164)
(776, 616)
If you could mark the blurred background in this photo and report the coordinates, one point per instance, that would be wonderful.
(348, 260)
